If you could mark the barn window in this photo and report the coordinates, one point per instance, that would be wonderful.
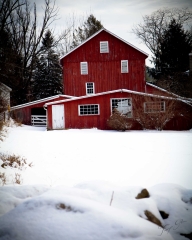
(104, 47)
(122, 105)
(84, 68)
(124, 66)
(154, 107)
(90, 88)
(92, 109)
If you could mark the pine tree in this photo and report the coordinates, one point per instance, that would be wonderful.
(48, 73)
(90, 26)
(175, 48)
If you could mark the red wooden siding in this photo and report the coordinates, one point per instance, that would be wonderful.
(73, 120)
(23, 114)
(104, 69)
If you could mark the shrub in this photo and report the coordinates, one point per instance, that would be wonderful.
(14, 162)
(118, 122)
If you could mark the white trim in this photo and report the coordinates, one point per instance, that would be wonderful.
(128, 98)
(39, 101)
(115, 91)
(104, 47)
(79, 112)
(90, 88)
(103, 29)
(84, 68)
(124, 66)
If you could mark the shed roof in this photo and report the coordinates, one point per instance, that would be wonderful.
(39, 101)
(103, 29)
(115, 91)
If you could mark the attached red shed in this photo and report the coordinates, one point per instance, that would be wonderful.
(93, 111)
(33, 113)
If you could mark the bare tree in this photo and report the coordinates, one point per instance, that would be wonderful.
(154, 112)
(25, 37)
(151, 30)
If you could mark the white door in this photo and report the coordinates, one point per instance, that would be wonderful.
(58, 116)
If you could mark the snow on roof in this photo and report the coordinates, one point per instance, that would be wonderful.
(39, 101)
(186, 100)
(3, 86)
(103, 29)
(115, 91)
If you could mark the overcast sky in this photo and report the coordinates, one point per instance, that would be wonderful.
(118, 16)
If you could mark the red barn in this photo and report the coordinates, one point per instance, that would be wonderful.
(106, 73)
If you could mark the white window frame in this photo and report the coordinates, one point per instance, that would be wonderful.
(88, 88)
(84, 68)
(124, 66)
(104, 47)
(129, 114)
(152, 107)
(87, 111)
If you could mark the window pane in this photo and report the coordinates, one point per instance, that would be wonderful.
(89, 109)
(122, 105)
(153, 107)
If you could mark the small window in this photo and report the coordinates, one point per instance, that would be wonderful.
(122, 105)
(92, 109)
(104, 47)
(154, 107)
(124, 66)
(84, 68)
(90, 88)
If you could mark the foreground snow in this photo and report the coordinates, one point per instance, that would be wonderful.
(83, 185)
(84, 212)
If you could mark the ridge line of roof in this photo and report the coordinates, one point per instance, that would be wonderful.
(113, 91)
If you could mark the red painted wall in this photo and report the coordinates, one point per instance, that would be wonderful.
(73, 120)
(104, 69)
(23, 114)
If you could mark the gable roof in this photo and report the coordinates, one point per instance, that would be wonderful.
(115, 91)
(101, 30)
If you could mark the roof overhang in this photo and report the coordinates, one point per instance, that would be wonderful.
(115, 91)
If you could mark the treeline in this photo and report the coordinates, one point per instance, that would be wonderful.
(29, 51)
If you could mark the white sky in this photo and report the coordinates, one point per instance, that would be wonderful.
(119, 17)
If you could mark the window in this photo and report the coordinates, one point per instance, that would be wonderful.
(104, 47)
(84, 68)
(154, 107)
(92, 109)
(123, 105)
(90, 88)
(124, 66)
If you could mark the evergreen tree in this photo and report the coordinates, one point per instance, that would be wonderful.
(48, 73)
(174, 49)
(90, 26)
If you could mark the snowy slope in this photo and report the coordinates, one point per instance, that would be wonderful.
(83, 185)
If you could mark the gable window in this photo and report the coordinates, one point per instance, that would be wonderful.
(90, 88)
(124, 66)
(84, 68)
(104, 47)
(122, 105)
(154, 107)
(92, 109)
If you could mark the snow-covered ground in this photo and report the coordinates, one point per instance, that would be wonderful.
(83, 184)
